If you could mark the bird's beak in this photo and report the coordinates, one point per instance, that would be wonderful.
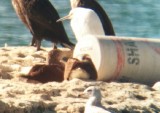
(63, 18)
(81, 94)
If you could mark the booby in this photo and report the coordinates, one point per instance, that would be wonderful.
(82, 69)
(94, 5)
(83, 22)
(41, 73)
(39, 16)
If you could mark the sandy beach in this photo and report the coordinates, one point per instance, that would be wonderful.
(18, 96)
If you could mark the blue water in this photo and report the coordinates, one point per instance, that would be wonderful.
(133, 18)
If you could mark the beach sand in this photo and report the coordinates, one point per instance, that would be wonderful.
(18, 96)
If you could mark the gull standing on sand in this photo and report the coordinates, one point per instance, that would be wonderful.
(83, 22)
(93, 104)
(94, 5)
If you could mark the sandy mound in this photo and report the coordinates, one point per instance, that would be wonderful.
(17, 96)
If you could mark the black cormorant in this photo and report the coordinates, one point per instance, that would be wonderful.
(39, 16)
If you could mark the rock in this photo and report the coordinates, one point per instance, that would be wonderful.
(156, 86)
(4, 75)
(17, 96)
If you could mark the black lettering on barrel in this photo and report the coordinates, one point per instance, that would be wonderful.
(132, 53)
(135, 61)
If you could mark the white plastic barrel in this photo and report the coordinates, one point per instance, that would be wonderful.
(120, 58)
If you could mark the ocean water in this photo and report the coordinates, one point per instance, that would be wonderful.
(133, 18)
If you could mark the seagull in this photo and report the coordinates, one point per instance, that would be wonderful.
(83, 22)
(94, 5)
(93, 104)
(39, 16)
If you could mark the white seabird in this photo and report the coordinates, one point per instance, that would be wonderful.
(93, 104)
(74, 3)
(83, 22)
(94, 5)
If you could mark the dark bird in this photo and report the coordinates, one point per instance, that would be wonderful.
(42, 73)
(94, 5)
(39, 16)
(83, 69)
(57, 56)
